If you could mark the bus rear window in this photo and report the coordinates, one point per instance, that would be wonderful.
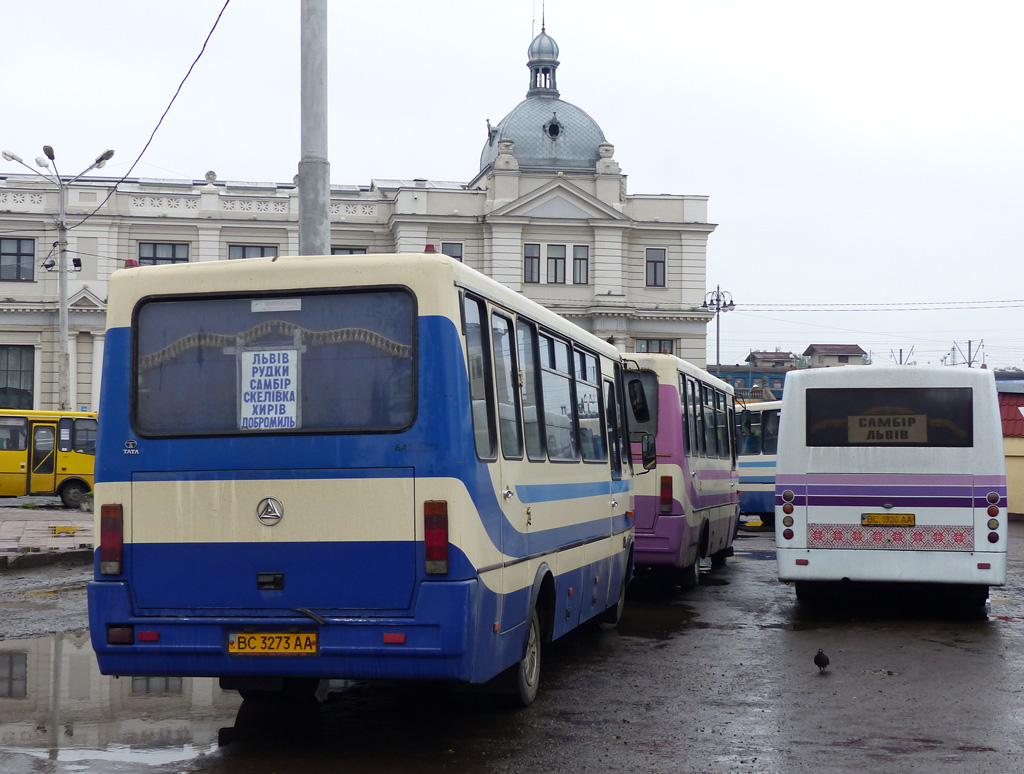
(340, 361)
(890, 416)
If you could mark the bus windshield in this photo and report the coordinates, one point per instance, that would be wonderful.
(341, 361)
(890, 416)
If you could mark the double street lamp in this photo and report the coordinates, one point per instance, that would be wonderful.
(63, 362)
(720, 301)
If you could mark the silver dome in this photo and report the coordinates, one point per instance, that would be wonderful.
(549, 134)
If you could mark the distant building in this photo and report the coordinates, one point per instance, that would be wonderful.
(546, 213)
(828, 355)
(1011, 410)
(763, 377)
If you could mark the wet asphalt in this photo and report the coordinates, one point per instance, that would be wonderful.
(720, 678)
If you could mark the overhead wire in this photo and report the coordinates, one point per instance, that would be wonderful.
(162, 117)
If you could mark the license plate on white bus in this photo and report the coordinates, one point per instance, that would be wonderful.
(272, 643)
(887, 519)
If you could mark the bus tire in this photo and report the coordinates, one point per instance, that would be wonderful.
(72, 493)
(527, 672)
(689, 576)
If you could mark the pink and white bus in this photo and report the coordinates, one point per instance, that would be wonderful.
(687, 509)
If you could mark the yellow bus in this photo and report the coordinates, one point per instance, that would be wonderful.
(47, 453)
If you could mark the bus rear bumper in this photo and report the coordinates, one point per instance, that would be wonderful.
(667, 546)
(434, 642)
(947, 567)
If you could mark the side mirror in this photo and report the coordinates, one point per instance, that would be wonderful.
(648, 451)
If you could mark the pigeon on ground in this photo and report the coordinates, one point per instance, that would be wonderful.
(820, 660)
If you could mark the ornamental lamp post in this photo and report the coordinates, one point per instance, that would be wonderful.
(720, 301)
(63, 359)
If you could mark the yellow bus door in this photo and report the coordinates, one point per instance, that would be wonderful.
(43, 459)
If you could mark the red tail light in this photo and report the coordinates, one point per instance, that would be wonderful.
(435, 536)
(111, 539)
(666, 494)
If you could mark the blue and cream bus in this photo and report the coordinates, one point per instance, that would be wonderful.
(381, 466)
(757, 439)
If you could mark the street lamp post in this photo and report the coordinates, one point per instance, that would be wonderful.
(63, 358)
(720, 301)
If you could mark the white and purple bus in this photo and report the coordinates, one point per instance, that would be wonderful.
(687, 509)
(891, 474)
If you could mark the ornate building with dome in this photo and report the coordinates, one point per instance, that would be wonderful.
(547, 214)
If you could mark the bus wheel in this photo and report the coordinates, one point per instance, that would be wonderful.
(689, 576)
(527, 672)
(71, 494)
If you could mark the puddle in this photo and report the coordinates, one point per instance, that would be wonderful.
(56, 706)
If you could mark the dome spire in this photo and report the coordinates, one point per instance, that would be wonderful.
(543, 61)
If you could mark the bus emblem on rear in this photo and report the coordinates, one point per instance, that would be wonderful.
(270, 511)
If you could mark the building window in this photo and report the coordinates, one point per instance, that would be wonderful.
(13, 674)
(348, 251)
(655, 267)
(556, 264)
(531, 263)
(141, 685)
(452, 250)
(580, 264)
(661, 346)
(844, 358)
(17, 365)
(17, 260)
(251, 251)
(157, 253)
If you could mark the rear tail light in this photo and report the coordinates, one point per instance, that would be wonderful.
(787, 508)
(111, 539)
(120, 635)
(787, 534)
(435, 536)
(666, 494)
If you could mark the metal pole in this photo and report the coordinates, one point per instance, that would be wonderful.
(63, 357)
(314, 168)
(718, 331)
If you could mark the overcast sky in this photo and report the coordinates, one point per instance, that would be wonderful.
(855, 153)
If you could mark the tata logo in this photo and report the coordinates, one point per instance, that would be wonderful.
(131, 446)
(270, 511)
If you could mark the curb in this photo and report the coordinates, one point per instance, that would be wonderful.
(28, 559)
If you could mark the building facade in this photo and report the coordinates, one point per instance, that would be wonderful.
(547, 213)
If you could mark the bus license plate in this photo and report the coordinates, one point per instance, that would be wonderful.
(887, 519)
(272, 643)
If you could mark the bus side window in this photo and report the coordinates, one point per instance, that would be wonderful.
(612, 421)
(506, 378)
(480, 392)
(529, 382)
(85, 436)
(64, 428)
(687, 441)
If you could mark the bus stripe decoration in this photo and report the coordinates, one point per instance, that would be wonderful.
(921, 538)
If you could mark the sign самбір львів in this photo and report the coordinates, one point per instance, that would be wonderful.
(269, 389)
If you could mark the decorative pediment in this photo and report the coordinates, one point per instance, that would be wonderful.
(86, 301)
(558, 199)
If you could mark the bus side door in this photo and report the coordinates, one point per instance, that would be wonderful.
(42, 458)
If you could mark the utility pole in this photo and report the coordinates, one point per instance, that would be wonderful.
(314, 168)
(61, 245)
